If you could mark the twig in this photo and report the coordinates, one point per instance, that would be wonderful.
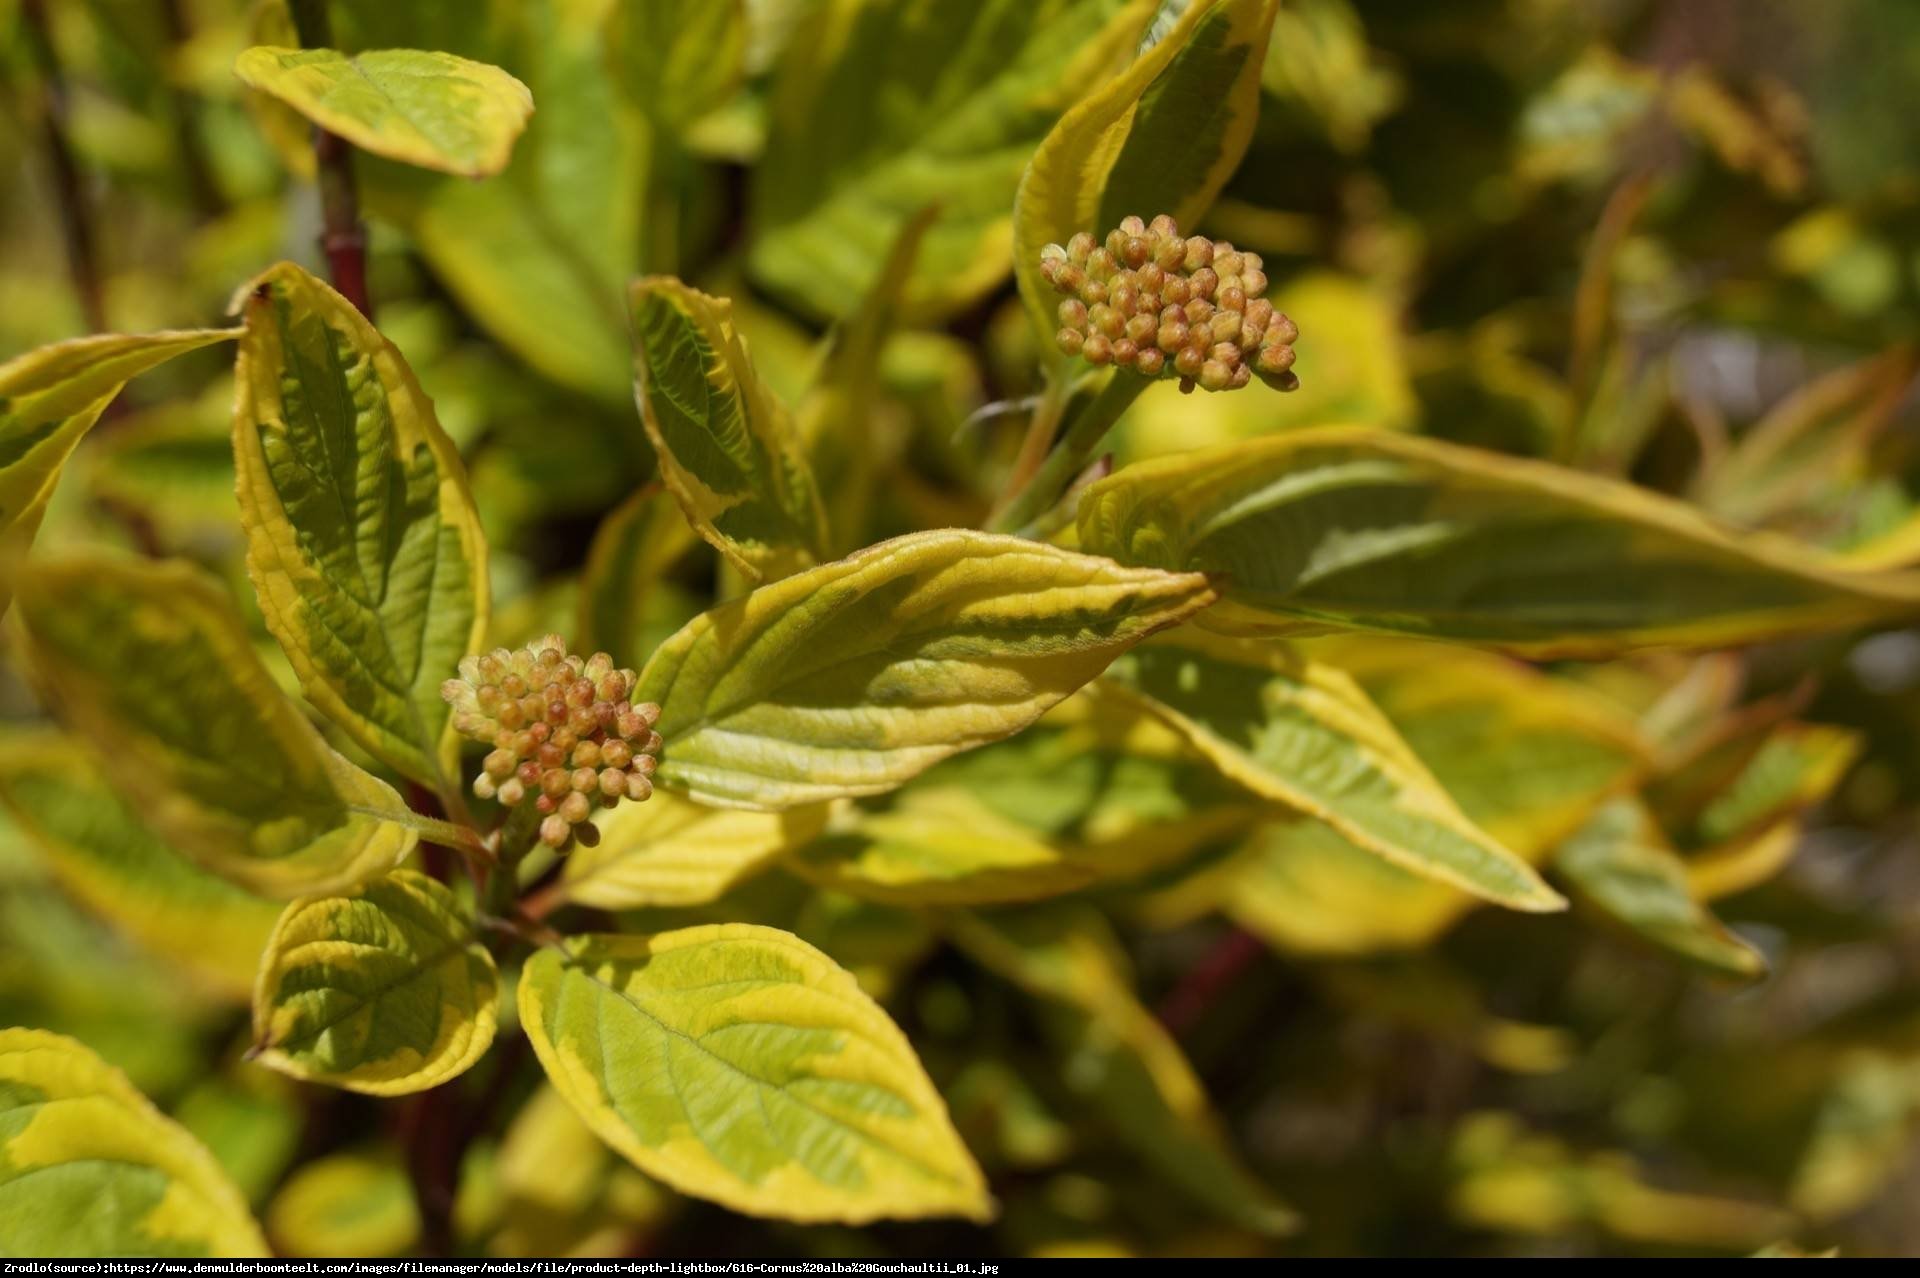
(343, 237)
(1205, 981)
(1085, 429)
(76, 223)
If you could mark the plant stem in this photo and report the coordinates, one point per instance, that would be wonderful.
(1084, 432)
(343, 237)
(1205, 981)
(76, 224)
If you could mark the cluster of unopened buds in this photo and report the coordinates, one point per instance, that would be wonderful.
(564, 733)
(1167, 306)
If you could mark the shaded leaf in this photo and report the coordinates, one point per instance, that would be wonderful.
(149, 662)
(678, 59)
(102, 854)
(1117, 1057)
(1620, 864)
(850, 678)
(739, 1064)
(357, 1203)
(880, 109)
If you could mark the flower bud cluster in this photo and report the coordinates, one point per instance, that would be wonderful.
(1166, 306)
(564, 731)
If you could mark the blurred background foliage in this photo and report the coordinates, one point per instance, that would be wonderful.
(1672, 240)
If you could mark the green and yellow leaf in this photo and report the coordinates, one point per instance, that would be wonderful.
(671, 851)
(49, 399)
(1620, 864)
(1342, 529)
(879, 110)
(384, 990)
(362, 539)
(850, 678)
(727, 447)
(737, 1063)
(150, 663)
(430, 109)
(358, 1203)
(1303, 734)
(88, 1167)
(1092, 793)
(105, 857)
(1161, 137)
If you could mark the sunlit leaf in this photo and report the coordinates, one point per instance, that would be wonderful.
(673, 851)
(88, 1167)
(727, 447)
(1342, 529)
(431, 109)
(739, 1064)
(880, 109)
(1080, 798)
(385, 989)
(1304, 735)
(850, 678)
(150, 663)
(362, 539)
(1161, 137)
(102, 854)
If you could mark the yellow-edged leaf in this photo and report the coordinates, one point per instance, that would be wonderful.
(383, 990)
(1342, 529)
(1303, 734)
(358, 1203)
(1161, 137)
(1092, 793)
(1620, 864)
(151, 664)
(105, 857)
(852, 677)
(671, 851)
(431, 109)
(88, 1167)
(362, 539)
(727, 447)
(52, 396)
(738, 1063)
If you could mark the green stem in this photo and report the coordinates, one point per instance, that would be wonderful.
(1085, 430)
